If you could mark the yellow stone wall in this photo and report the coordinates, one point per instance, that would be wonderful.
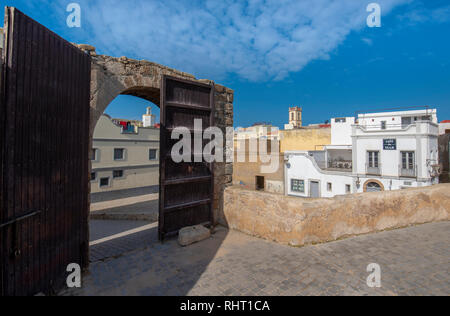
(305, 139)
(300, 221)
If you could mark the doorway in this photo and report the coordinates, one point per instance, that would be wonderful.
(45, 193)
(260, 183)
(314, 189)
(124, 181)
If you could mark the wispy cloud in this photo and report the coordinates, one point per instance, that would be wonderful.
(420, 14)
(258, 40)
(368, 41)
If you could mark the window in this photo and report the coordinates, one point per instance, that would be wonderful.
(104, 182)
(119, 154)
(408, 160)
(93, 176)
(373, 187)
(348, 189)
(383, 124)
(329, 187)
(340, 120)
(152, 154)
(94, 152)
(117, 174)
(373, 157)
(406, 121)
(260, 181)
(298, 186)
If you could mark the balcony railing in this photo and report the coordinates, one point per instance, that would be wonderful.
(408, 172)
(371, 170)
(344, 165)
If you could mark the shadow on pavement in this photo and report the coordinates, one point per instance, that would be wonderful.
(138, 264)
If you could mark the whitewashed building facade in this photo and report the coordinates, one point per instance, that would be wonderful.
(373, 152)
(123, 159)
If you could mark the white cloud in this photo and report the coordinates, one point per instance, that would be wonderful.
(420, 14)
(258, 40)
(368, 41)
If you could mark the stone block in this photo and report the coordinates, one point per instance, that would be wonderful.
(190, 235)
(86, 47)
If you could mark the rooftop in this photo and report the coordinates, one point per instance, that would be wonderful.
(398, 113)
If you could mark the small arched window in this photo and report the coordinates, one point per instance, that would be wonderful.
(374, 187)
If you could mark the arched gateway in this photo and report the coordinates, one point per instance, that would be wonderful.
(52, 95)
(111, 76)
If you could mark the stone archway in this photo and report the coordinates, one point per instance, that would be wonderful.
(372, 181)
(111, 77)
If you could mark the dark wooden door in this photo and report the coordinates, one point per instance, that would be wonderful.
(186, 188)
(44, 134)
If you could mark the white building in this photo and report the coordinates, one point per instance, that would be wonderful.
(149, 119)
(375, 152)
(257, 131)
(124, 158)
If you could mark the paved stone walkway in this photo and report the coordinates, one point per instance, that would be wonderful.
(133, 208)
(414, 261)
(114, 238)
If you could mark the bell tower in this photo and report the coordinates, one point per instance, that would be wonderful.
(148, 119)
(295, 116)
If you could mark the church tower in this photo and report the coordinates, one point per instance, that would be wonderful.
(149, 119)
(295, 117)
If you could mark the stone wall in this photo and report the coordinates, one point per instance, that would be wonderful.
(245, 173)
(305, 139)
(112, 76)
(223, 172)
(297, 221)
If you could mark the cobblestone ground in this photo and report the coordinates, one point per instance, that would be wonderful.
(137, 235)
(141, 207)
(414, 261)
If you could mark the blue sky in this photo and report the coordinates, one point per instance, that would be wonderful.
(276, 53)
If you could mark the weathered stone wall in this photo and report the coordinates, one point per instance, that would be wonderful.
(111, 76)
(245, 173)
(223, 172)
(297, 221)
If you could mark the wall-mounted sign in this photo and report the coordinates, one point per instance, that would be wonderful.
(389, 144)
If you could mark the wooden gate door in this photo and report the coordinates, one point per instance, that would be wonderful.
(44, 134)
(186, 188)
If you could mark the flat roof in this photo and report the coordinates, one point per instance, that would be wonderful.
(398, 113)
